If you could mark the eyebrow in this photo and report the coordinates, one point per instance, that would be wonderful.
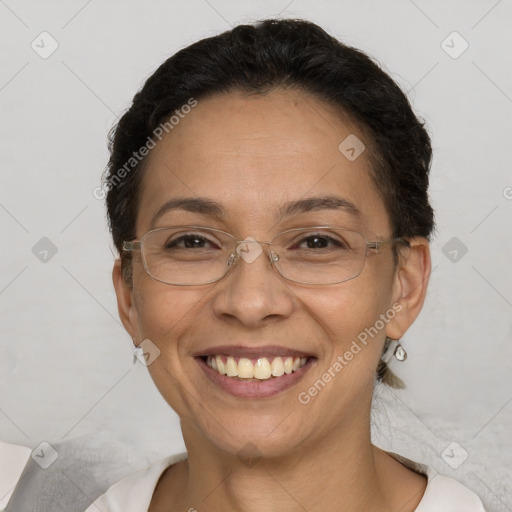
(205, 206)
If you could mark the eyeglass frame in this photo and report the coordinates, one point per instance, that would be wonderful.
(137, 245)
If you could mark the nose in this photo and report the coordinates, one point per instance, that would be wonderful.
(253, 292)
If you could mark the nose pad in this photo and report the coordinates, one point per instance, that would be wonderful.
(249, 250)
(273, 257)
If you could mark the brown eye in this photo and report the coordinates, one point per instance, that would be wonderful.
(189, 242)
(320, 242)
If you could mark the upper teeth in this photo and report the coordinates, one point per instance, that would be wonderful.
(262, 368)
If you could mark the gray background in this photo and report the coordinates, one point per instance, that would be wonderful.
(66, 366)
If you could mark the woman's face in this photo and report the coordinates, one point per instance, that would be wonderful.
(252, 155)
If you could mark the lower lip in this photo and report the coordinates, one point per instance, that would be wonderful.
(255, 389)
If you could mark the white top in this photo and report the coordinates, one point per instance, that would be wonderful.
(134, 492)
(13, 459)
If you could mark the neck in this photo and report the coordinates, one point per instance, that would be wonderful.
(341, 472)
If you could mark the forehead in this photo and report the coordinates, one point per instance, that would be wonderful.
(254, 153)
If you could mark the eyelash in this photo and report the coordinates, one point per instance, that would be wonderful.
(194, 237)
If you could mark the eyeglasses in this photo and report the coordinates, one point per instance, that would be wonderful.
(196, 255)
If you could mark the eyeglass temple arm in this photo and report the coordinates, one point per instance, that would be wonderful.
(131, 246)
(377, 246)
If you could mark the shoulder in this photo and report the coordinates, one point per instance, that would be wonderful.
(446, 494)
(134, 492)
(13, 459)
(442, 494)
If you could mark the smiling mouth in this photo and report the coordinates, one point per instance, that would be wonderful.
(258, 369)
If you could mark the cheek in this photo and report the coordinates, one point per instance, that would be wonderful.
(159, 306)
(164, 312)
(350, 315)
(351, 308)
(342, 385)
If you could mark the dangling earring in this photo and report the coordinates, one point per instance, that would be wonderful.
(400, 352)
(137, 353)
(394, 348)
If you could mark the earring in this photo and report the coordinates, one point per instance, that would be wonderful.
(400, 352)
(394, 348)
(137, 353)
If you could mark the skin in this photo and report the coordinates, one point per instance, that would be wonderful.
(252, 154)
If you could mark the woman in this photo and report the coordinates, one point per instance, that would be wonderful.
(267, 193)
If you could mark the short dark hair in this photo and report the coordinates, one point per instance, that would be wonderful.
(256, 59)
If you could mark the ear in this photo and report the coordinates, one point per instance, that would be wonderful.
(125, 302)
(409, 286)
